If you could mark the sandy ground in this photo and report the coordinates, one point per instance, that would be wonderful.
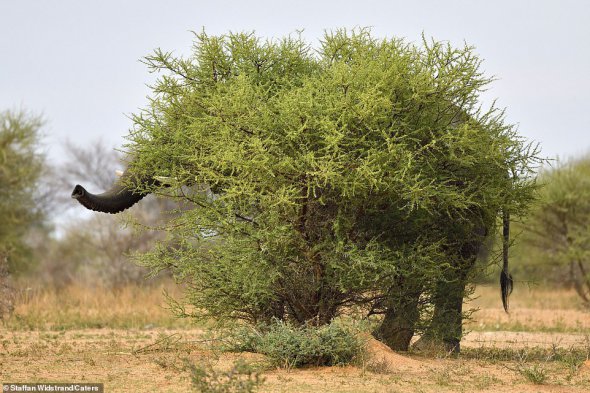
(153, 361)
(44, 342)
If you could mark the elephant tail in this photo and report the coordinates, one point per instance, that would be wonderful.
(506, 282)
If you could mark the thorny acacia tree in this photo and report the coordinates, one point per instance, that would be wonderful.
(363, 173)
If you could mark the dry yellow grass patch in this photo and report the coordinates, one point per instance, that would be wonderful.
(81, 307)
(531, 309)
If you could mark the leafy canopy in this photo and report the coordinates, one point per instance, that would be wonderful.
(320, 178)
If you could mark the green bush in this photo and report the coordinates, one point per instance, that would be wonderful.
(363, 172)
(297, 346)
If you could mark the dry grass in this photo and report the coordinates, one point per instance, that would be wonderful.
(528, 297)
(77, 307)
(141, 347)
(532, 309)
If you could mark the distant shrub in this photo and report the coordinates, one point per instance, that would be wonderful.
(556, 239)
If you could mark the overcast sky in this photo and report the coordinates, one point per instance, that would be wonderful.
(77, 62)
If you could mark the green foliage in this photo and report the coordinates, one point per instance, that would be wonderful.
(241, 378)
(20, 169)
(21, 166)
(292, 346)
(354, 174)
(556, 238)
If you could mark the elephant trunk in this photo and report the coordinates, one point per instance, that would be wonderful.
(118, 198)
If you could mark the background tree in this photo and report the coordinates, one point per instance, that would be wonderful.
(361, 174)
(21, 166)
(556, 237)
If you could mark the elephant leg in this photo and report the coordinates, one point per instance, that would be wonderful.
(446, 327)
(398, 325)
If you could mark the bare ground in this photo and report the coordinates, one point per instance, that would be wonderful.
(521, 358)
(154, 361)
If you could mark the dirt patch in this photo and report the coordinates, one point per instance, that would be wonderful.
(585, 368)
(380, 355)
(155, 361)
(504, 353)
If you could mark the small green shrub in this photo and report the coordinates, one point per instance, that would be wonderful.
(535, 374)
(290, 346)
(241, 378)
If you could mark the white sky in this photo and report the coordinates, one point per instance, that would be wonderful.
(76, 61)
